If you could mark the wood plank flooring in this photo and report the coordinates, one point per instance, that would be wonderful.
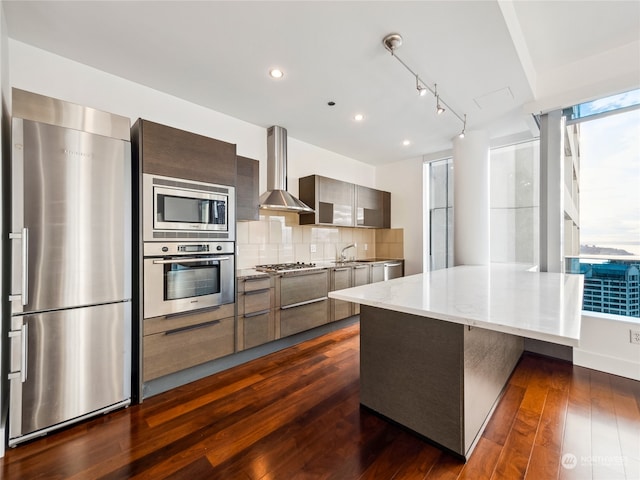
(295, 414)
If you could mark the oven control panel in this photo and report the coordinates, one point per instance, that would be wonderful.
(161, 249)
(195, 248)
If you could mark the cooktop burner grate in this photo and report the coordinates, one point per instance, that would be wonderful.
(285, 267)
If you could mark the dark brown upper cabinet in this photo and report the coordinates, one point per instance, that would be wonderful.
(373, 208)
(247, 185)
(343, 204)
(332, 200)
(172, 152)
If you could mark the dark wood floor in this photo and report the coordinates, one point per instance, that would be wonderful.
(296, 414)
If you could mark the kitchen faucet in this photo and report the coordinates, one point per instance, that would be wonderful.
(343, 256)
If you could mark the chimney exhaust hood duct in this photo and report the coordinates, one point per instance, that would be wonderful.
(276, 197)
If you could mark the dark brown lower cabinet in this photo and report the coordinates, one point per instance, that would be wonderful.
(304, 303)
(256, 316)
(303, 317)
(171, 344)
(341, 277)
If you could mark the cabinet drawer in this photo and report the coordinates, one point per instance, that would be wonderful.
(377, 272)
(254, 330)
(341, 278)
(302, 288)
(162, 324)
(255, 301)
(252, 284)
(361, 275)
(304, 317)
(181, 348)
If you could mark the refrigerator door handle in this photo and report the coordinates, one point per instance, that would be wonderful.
(25, 353)
(25, 268)
(25, 265)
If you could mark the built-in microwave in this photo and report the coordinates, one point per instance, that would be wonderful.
(178, 209)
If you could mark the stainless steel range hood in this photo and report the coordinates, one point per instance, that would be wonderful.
(276, 197)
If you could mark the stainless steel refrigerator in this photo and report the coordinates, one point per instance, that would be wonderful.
(70, 335)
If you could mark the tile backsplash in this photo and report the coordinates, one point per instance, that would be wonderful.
(278, 238)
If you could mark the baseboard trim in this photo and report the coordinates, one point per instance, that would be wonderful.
(606, 363)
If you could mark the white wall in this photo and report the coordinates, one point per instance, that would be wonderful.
(306, 159)
(404, 180)
(39, 71)
(605, 345)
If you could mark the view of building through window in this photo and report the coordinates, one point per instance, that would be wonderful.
(610, 204)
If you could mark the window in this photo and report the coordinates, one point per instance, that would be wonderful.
(514, 199)
(609, 203)
(439, 182)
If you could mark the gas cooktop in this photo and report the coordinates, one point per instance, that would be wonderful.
(286, 267)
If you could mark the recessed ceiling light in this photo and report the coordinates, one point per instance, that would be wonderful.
(358, 117)
(276, 73)
(406, 143)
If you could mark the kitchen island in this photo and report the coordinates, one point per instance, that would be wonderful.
(438, 348)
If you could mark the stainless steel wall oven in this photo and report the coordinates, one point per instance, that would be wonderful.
(178, 209)
(181, 277)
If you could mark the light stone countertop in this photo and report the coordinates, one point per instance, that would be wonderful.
(245, 273)
(503, 298)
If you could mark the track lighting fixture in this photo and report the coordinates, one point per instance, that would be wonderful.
(439, 108)
(392, 42)
(464, 126)
(422, 91)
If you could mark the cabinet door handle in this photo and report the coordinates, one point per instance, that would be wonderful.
(341, 269)
(191, 312)
(256, 314)
(361, 266)
(192, 327)
(293, 305)
(255, 292)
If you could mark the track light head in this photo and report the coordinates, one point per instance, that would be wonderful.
(422, 90)
(439, 108)
(464, 126)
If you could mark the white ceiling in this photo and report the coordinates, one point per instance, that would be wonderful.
(484, 56)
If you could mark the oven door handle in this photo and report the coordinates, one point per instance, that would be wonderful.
(190, 260)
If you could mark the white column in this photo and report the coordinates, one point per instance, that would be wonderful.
(471, 199)
(551, 192)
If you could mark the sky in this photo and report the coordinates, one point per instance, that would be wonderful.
(610, 177)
